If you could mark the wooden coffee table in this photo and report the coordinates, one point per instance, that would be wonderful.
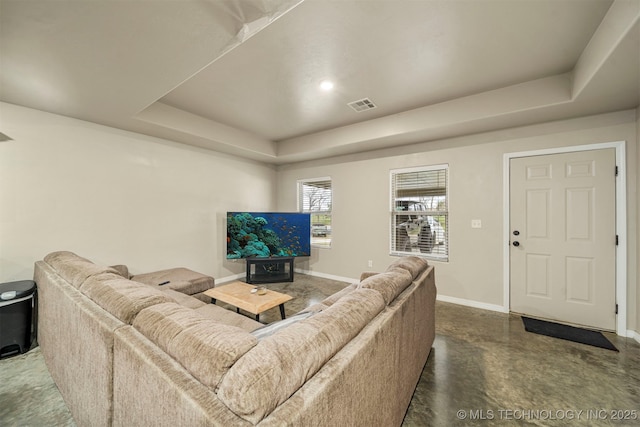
(239, 295)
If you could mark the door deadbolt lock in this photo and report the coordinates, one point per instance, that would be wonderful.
(516, 233)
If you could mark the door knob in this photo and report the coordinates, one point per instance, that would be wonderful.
(516, 243)
(516, 233)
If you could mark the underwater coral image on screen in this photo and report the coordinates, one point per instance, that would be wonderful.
(268, 234)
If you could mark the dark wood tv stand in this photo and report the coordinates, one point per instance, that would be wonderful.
(269, 270)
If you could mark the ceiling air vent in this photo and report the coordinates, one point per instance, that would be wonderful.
(362, 105)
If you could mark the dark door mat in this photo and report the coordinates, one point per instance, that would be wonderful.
(565, 332)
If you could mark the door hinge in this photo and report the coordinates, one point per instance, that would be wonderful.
(616, 308)
(617, 240)
(616, 170)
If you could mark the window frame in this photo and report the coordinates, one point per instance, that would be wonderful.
(320, 212)
(443, 253)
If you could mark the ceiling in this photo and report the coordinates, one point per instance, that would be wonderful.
(242, 76)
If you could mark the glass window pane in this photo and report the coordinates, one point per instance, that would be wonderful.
(315, 196)
(420, 212)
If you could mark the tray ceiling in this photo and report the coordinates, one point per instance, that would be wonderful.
(243, 76)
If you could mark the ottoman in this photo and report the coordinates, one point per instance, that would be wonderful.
(179, 279)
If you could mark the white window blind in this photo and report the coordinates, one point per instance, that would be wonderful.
(315, 197)
(420, 212)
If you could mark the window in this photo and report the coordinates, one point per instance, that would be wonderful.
(420, 212)
(314, 197)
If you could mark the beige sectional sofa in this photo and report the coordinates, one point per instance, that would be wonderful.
(126, 353)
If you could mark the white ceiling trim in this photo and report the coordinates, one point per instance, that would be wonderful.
(462, 113)
(217, 135)
(617, 24)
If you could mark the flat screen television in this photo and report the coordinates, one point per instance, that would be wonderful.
(268, 234)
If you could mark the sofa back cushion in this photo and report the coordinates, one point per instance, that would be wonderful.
(122, 270)
(73, 268)
(413, 264)
(227, 317)
(280, 364)
(390, 283)
(184, 300)
(204, 347)
(121, 297)
(330, 300)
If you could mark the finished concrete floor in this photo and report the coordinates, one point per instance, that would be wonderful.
(484, 370)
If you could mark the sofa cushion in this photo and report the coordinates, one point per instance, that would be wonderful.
(204, 347)
(184, 300)
(390, 283)
(163, 322)
(315, 308)
(73, 268)
(122, 298)
(413, 264)
(330, 300)
(272, 328)
(228, 317)
(279, 365)
(180, 279)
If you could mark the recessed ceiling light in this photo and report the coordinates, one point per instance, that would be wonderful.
(326, 85)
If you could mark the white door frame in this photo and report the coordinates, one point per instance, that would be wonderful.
(621, 222)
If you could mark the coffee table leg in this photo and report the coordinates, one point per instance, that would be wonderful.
(282, 311)
(257, 317)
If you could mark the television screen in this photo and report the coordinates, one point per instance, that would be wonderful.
(268, 234)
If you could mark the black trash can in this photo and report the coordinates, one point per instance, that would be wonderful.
(16, 314)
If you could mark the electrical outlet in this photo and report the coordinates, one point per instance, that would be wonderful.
(476, 223)
(370, 263)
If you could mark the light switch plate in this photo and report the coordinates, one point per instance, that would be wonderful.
(476, 223)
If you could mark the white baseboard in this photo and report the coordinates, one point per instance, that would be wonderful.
(223, 280)
(633, 334)
(241, 276)
(471, 303)
(444, 298)
(326, 276)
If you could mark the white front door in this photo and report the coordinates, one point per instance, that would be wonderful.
(563, 237)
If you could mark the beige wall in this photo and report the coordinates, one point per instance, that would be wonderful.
(121, 197)
(117, 197)
(474, 272)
